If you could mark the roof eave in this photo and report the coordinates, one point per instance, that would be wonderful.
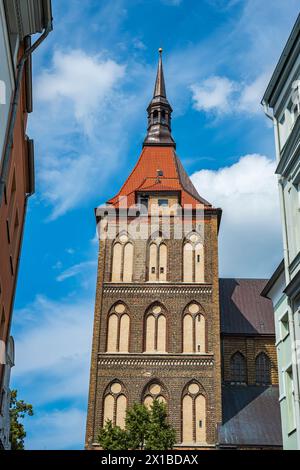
(291, 43)
(272, 280)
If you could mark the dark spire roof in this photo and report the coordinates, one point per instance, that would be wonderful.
(159, 113)
(160, 87)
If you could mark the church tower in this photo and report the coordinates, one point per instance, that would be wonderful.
(157, 322)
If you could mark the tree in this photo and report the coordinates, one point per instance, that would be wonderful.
(18, 410)
(113, 437)
(161, 436)
(144, 429)
(137, 425)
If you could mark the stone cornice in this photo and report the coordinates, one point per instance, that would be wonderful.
(140, 360)
(157, 288)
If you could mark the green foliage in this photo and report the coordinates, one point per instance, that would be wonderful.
(113, 437)
(145, 429)
(161, 435)
(137, 425)
(18, 410)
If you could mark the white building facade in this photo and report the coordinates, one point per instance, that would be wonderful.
(282, 104)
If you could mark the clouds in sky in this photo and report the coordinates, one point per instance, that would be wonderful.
(221, 96)
(214, 94)
(250, 233)
(85, 128)
(53, 340)
(82, 81)
(91, 92)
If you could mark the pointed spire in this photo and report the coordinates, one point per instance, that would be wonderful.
(159, 112)
(160, 87)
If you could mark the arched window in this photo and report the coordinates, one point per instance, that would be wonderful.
(118, 329)
(154, 391)
(238, 368)
(193, 259)
(193, 415)
(155, 117)
(194, 340)
(157, 260)
(115, 404)
(263, 369)
(155, 330)
(122, 260)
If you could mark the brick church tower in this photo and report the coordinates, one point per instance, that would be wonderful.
(157, 320)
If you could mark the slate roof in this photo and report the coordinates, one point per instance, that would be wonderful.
(251, 416)
(144, 175)
(243, 309)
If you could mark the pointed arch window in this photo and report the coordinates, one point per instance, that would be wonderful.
(157, 260)
(263, 369)
(122, 260)
(115, 404)
(193, 259)
(155, 339)
(238, 368)
(193, 414)
(154, 391)
(118, 329)
(194, 330)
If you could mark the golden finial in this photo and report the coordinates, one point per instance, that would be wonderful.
(160, 50)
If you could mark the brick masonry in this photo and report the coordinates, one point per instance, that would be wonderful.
(175, 369)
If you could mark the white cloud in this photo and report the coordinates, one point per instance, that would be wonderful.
(213, 94)
(56, 430)
(51, 333)
(53, 344)
(250, 234)
(86, 81)
(76, 136)
(222, 96)
(252, 93)
(75, 270)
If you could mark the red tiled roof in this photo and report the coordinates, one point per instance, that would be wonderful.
(144, 177)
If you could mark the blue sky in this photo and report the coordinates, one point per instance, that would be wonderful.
(93, 79)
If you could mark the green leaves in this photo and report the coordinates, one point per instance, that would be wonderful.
(161, 435)
(113, 437)
(145, 429)
(18, 410)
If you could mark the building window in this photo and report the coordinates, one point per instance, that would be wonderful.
(155, 330)
(144, 203)
(193, 259)
(238, 369)
(284, 326)
(122, 260)
(118, 330)
(193, 415)
(157, 259)
(290, 397)
(163, 203)
(115, 405)
(154, 391)
(194, 340)
(263, 369)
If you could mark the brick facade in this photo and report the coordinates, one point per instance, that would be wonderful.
(174, 369)
(250, 347)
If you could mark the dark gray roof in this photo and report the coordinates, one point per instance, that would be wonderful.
(251, 416)
(243, 309)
